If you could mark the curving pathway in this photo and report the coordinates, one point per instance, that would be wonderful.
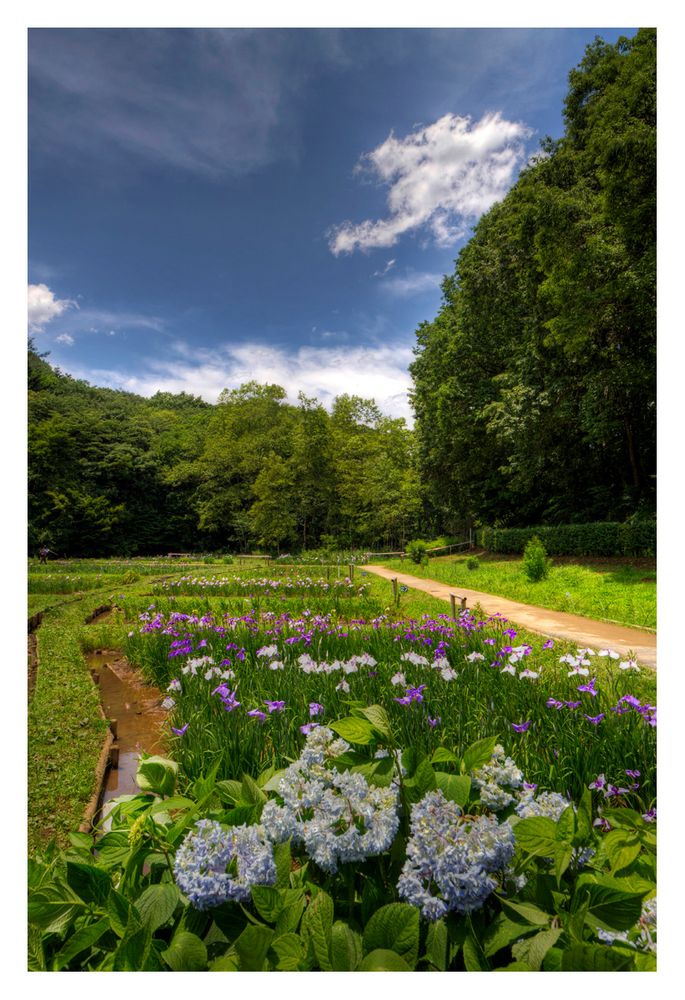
(556, 624)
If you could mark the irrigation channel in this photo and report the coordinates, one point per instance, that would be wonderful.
(134, 711)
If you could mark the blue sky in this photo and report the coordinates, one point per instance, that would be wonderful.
(212, 206)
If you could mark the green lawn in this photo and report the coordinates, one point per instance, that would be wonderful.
(610, 591)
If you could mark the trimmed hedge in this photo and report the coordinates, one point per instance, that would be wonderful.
(603, 538)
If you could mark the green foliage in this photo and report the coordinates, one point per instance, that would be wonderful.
(118, 908)
(606, 538)
(536, 565)
(534, 387)
(416, 550)
(472, 563)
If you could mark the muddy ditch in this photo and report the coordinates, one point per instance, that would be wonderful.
(134, 711)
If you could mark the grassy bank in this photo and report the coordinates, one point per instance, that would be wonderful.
(608, 590)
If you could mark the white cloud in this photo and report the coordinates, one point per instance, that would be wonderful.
(64, 338)
(378, 373)
(44, 307)
(413, 283)
(390, 264)
(442, 177)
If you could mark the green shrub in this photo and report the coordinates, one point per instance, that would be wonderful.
(472, 562)
(535, 561)
(417, 550)
(600, 538)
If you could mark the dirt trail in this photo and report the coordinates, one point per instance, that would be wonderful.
(557, 624)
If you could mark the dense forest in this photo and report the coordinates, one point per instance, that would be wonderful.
(534, 387)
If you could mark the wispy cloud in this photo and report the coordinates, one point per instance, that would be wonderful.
(440, 178)
(44, 307)
(65, 338)
(378, 373)
(211, 102)
(412, 283)
(388, 267)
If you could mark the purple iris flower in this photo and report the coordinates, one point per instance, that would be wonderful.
(274, 706)
(307, 728)
(572, 704)
(599, 782)
(434, 722)
(553, 703)
(522, 727)
(594, 719)
(549, 644)
(602, 823)
(630, 699)
(257, 713)
(315, 709)
(650, 816)
(633, 774)
(589, 687)
(529, 786)
(181, 731)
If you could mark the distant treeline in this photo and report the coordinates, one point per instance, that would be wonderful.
(534, 387)
(111, 472)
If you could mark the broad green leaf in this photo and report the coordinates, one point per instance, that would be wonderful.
(157, 775)
(528, 912)
(645, 962)
(186, 953)
(436, 945)
(533, 949)
(563, 852)
(52, 911)
(593, 958)
(90, 883)
(35, 954)
(289, 917)
(80, 941)
(455, 787)
(503, 931)
(614, 909)
(119, 912)
(552, 960)
(132, 950)
(168, 805)
(622, 847)
(444, 756)
(251, 793)
(346, 947)
(283, 862)
(383, 960)
(156, 905)
(536, 835)
(625, 818)
(475, 958)
(82, 841)
(478, 753)
(317, 922)
(113, 849)
(252, 946)
(268, 902)
(566, 825)
(290, 950)
(424, 779)
(584, 818)
(379, 719)
(272, 785)
(354, 730)
(395, 927)
(226, 963)
(229, 790)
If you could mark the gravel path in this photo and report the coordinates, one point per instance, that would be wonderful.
(557, 624)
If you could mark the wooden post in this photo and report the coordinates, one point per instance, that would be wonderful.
(453, 602)
(351, 571)
(463, 604)
(114, 757)
(394, 588)
(113, 727)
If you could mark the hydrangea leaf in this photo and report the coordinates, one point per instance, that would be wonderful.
(317, 922)
(156, 905)
(346, 947)
(186, 953)
(396, 927)
(478, 753)
(354, 730)
(383, 960)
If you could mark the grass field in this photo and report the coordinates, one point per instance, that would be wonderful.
(607, 590)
